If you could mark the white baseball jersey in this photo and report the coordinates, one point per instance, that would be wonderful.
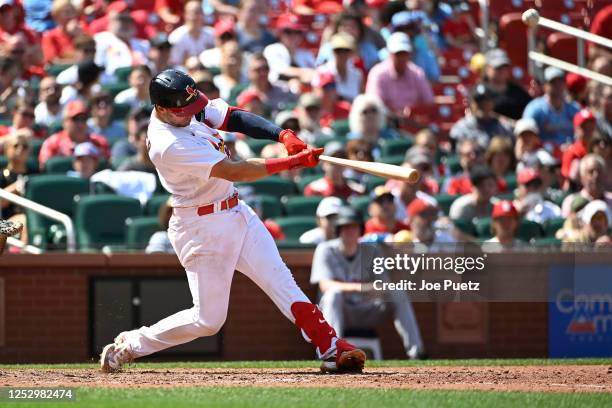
(184, 157)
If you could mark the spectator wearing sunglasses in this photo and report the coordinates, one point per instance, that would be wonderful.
(23, 118)
(75, 131)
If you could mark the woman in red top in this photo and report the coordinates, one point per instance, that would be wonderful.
(58, 43)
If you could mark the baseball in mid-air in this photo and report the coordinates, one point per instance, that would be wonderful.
(531, 17)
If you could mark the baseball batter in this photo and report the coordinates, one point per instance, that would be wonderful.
(215, 233)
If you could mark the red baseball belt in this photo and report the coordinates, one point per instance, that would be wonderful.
(226, 204)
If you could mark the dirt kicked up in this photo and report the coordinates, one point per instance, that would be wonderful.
(557, 378)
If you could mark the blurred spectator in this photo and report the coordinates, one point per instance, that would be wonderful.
(332, 107)
(572, 226)
(509, 98)
(193, 37)
(159, 54)
(17, 47)
(38, 15)
(205, 83)
(84, 160)
(577, 88)
(17, 147)
(351, 23)
(527, 137)
(500, 156)
(84, 51)
(459, 28)
(382, 212)
(159, 241)
(333, 182)
(117, 47)
(308, 111)
(101, 121)
(138, 92)
(478, 203)
(601, 145)
(415, 25)
(596, 220)
(530, 198)
(470, 156)
(419, 158)
(145, 23)
(405, 193)
(550, 173)
(12, 27)
(225, 31)
(123, 149)
(347, 300)
(348, 78)
(286, 58)
(49, 109)
(358, 149)
(602, 26)
(140, 161)
(584, 127)
(424, 224)
(83, 85)
(58, 43)
(23, 118)
(327, 212)
(504, 226)
(551, 111)
(75, 132)
(603, 111)
(252, 34)
(397, 81)
(232, 75)
(250, 100)
(368, 121)
(592, 179)
(481, 123)
(287, 120)
(9, 83)
(274, 95)
(170, 12)
(428, 140)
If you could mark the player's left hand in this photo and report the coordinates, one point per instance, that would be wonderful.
(292, 143)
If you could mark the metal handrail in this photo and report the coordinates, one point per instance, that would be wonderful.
(533, 19)
(47, 212)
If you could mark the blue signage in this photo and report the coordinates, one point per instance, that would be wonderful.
(580, 311)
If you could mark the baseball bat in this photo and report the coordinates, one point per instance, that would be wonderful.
(378, 169)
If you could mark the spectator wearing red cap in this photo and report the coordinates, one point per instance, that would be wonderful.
(397, 81)
(253, 36)
(423, 225)
(118, 47)
(249, 100)
(405, 193)
(577, 88)
(530, 197)
(225, 31)
(478, 203)
(193, 37)
(504, 227)
(332, 108)
(286, 58)
(333, 182)
(58, 43)
(602, 26)
(275, 96)
(382, 211)
(75, 132)
(139, 10)
(584, 127)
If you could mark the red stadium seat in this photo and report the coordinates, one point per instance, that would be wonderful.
(562, 46)
(513, 38)
(498, 8)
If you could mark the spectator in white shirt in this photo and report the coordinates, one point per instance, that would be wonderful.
(138, 92)
(349, 78)
(286, 58)
(159, 53)
(118, 47)
(232, 72)
(49, 110)
(193, 37)
(225, 31)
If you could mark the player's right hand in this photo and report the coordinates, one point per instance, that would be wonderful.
(307, 158)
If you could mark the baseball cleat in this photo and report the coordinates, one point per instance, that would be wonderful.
(114, 356)
(346, 359)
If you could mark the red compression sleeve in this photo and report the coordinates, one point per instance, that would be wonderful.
(274, 166)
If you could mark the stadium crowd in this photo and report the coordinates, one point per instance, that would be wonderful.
(505, 157)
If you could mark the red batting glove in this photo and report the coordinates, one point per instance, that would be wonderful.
(305, 158)
(292, 143)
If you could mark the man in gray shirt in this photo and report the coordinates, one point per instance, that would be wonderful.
(348, 298)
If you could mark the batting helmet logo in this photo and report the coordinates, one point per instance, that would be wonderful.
(192, 92)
